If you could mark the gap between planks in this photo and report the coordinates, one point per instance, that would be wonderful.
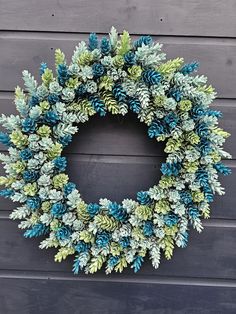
(165, 280)
(55, 35)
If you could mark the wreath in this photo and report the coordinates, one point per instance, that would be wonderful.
(113, 75)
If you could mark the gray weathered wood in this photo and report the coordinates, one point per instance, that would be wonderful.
(166, 17)
(216, 57)
(40, 296)
(112, 177)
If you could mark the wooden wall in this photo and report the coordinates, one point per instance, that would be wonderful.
(112, 157)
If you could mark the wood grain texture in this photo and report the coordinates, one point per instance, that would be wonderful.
(20, 295)
(21, 51)
(165, 17)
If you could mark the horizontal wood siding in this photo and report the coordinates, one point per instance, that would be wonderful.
(22, 50)
(165, 17)
(113, 157)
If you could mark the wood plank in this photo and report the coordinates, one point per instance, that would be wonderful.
(201, 258)
(26, 51)
(165, 17)
(112, 177)
(19, 295)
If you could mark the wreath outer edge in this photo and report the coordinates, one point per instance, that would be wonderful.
(113, 75)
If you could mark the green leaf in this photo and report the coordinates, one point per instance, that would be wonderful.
(59, 57)
(121, 264)
(124, 45)
(63, 253)
(170, 66)
(110, 103)
(47, 77)
(169, 247)
(96, 264)
(105, 222)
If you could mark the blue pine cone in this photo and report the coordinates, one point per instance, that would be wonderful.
(60, 163)
(33, 203)
(137, 263)
(151, 77)
(193, 212)
(105, 46)
(156, 129)
(124, 242)
(202, 129)
(26, 154)
(5, 139)
(63, 233)
(43, 67)
(202, 177)
(93, 209)
(117, 211)
(33, 101)
(81, 247)
(98, 105)
(221, 168)
(69, 187)
(102, 239)
(36, 231)
(81, 90)
(186, 197)
(58, 209)
(6, 193)
(169, 169)
(63, 74)
(189, 67)
(134, 104)
(197, 112)
(28, 125)
(30, 175)
(98, 70)
(146, 40)
(176, 94)
(143, 198)
(51, 117)
(148, 228)
(208, 193)
(171, 120)
(130, 58)
(119, 92)
(171, 220)
(93, 41)
(65, 140)
(53, 98)
(113, 260)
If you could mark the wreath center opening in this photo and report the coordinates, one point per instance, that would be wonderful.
(113, 157)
